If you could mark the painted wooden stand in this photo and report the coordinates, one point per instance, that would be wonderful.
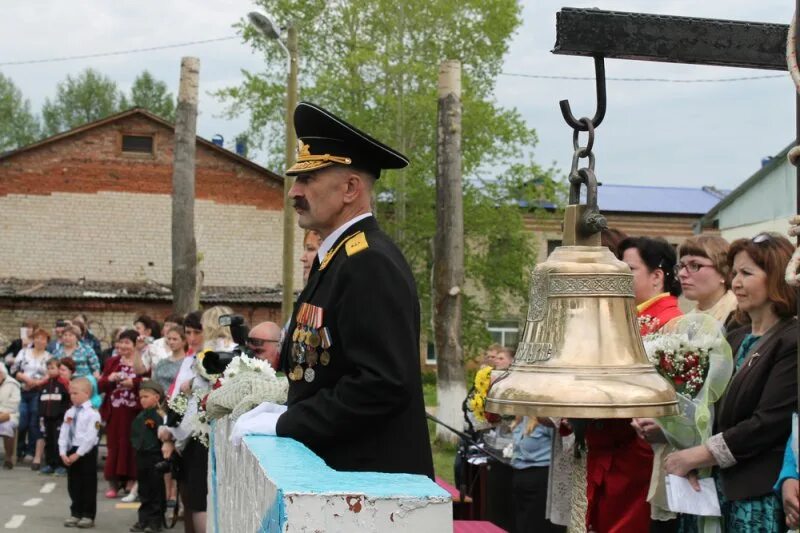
(273, 484)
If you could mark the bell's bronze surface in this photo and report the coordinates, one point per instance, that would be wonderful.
(581, 355)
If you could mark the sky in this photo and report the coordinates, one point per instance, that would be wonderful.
(674, 134)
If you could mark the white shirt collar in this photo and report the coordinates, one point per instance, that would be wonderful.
(87, 404)
(333, 237)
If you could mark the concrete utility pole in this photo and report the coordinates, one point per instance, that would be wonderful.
(448, 264)
(184, 246)
(291, 146)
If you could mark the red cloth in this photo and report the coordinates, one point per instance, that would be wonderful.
(618, 468)
(657, 314)
(121, 460)
(619, 463)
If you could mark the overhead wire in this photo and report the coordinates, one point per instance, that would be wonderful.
(511, 74)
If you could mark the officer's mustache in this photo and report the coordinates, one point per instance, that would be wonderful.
(300, 203)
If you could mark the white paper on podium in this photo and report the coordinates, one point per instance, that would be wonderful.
(682, 498)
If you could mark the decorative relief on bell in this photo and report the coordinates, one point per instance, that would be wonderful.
(538, 295)
(531, 352)
(590, 285)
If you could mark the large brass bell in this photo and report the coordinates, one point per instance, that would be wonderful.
(581, 355)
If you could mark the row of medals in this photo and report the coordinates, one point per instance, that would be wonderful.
(311, 343)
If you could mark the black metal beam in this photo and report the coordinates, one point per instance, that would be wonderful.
(616, 34)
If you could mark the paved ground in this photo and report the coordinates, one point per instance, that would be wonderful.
(36, 503)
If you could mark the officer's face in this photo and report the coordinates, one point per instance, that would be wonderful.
(319, 199)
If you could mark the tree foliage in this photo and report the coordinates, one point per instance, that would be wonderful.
(87, 97)
(376, 62)
(151, 94)
(18, 125)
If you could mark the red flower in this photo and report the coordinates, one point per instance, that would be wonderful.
(150, 423)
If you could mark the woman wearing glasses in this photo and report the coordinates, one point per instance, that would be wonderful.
(753, 419)
(704, 275)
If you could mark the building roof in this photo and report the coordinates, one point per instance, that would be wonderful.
(657, 200)
(748, 184)
(150, 116)
(59, 289)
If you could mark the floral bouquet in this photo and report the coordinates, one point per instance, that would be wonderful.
(246, 383)
(684, 361)
(476, 401)
(691, 352)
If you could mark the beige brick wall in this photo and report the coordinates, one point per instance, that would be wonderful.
(115, 236)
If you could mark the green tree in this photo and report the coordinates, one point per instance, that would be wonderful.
(87, 97)
(151, 94)
(375, 62)
(18, 125)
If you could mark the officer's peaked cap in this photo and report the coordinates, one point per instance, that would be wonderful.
(323, 139)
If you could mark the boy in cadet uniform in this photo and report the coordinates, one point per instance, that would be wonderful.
(148, 452)
(53, 403)
(77, 444)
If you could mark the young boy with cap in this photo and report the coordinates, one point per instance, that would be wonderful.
(77, 444)
(145, 442)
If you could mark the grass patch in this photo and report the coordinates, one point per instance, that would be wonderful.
(429, 394)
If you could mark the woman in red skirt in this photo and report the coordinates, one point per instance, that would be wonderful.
(120, 406)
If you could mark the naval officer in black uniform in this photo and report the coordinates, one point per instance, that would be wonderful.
(352, 347)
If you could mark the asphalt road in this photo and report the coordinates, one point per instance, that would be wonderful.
(35, 503)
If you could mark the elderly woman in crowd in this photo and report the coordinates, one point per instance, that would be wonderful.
(30, 371)
(120, 406)
(9, 414)
(704, 275)
(86, 361)
(753, 419)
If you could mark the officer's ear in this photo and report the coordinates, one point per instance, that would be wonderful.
(358, 185)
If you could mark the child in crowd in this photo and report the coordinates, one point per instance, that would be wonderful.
(53, 403)
(148, 452)
(66, 368)
(77, 444)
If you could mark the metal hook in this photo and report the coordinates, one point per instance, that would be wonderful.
(600, 86)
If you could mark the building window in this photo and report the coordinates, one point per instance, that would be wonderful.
(504, 332)
(138, 144)
(430, 354)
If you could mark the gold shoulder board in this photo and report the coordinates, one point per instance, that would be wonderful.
(357, 243)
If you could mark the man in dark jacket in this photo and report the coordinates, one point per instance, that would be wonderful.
(352, 348)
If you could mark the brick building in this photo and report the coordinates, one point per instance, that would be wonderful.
(86, 214)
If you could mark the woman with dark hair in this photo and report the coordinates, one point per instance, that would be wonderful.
(120, 383)
(619, 463)
(753, 419)
(655, 286)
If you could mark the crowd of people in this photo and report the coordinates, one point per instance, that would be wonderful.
(61, 396)
(744, 444)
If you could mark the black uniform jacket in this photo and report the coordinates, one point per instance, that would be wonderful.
(755, 415)
(364, 410)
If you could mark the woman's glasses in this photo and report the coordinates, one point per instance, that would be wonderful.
(691, 267)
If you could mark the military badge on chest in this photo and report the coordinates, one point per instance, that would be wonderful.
(310, 343)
